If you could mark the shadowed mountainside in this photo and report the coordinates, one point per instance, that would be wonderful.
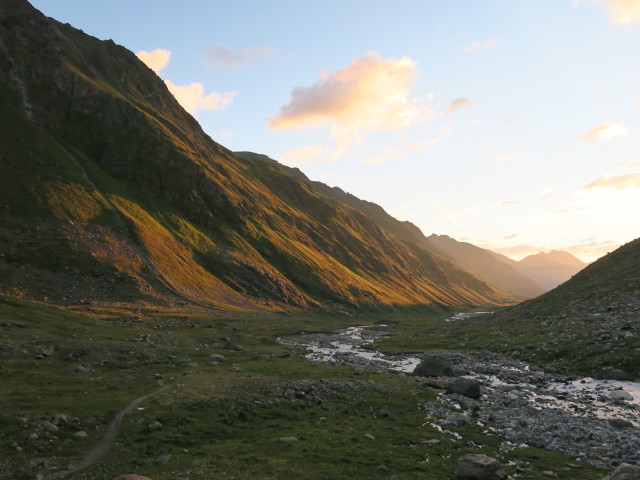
(112, 193)
(550, 269)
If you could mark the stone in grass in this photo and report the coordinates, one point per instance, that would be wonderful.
(625, 472)
(289, 440)
(465, 386)
(434, 367)
(611, 374)
(163, 459)
(479, 467)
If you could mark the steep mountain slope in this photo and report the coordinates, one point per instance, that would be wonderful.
(550, 269)
(486, 266)
(111, 193)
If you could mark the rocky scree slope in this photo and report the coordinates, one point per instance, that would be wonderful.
(112, 193)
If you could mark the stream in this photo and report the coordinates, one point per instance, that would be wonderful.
(597, 421)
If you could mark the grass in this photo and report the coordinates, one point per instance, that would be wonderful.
(220, 419)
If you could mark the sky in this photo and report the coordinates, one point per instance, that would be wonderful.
(513, 125)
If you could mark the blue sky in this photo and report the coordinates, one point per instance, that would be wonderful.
(514, 125)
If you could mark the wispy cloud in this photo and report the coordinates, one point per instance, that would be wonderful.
(304, 156)
(488, 45)
(507, 203)
(568, 211)
(456, 105)
(606, 131)
(222, 56)
(512, 236)
(630, 163)
(622, 12)
(156, 60)
(629, 181)
(546, 193)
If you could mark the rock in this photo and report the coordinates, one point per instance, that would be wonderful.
(383, 414)
(369, 436)
(478, 467)
(59, 418)
(232, 347)
(620, 424)
(81, 434)
(468, 387)
(434, 367)
(625, 472)
(216, 357)
(155, 425)
(81, 369)
(131, 476)
(288, 440)
(163, 459)
(611, 374)
(49, 427)
(431, 443)
(621, 395)
(548, 473)
(280, 355)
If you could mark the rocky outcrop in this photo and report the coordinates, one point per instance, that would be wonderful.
(479, 467)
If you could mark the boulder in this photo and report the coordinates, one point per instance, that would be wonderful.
(434, 367)
(468, 387)
(611, 374)
(479, 467)
(620, 424)
(625, 472)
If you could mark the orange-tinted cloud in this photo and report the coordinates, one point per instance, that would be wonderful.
(456, 105)
(304, 156)
(193, 99)
(606, 131)
(221, 56)
(629, 181)
(156, 60)
(370, 94)
(623, 12)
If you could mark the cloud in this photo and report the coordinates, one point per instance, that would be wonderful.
(512, 121)
(156, 60)
(629, 181)
(622, 12)
(303, 156)
(507, 203)
(630, 163)
(456, 105)
(369, 94)
(512, 236)
(546, 193)
(221, 56)
(193, 99)
(488, 45)
(568, 211)
(606, 131)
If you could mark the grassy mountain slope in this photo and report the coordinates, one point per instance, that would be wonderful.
(112, 193)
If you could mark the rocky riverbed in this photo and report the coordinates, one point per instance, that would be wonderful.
(595, 421)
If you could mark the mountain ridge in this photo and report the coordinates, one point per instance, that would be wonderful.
(114, 193)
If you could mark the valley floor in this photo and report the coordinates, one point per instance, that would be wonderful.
(232, 401)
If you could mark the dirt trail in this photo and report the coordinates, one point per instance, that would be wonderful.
(106, 442)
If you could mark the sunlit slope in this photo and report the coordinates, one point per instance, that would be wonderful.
(110, 192)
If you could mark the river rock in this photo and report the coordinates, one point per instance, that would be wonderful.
(479, 467)
(434, 367)
(611, 374)
(620, 423)
(625, 472)
(468, 387)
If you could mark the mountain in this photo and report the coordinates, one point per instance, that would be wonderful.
(112, 193)
(550, 269)
(485, 265)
